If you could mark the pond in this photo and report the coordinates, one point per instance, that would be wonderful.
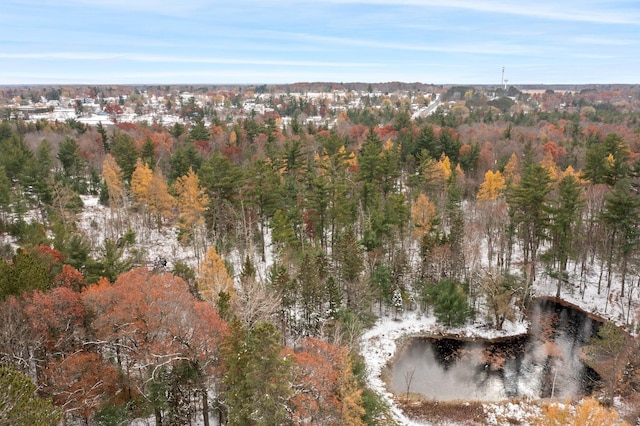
(544, 363)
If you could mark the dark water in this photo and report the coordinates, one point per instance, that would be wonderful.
(545, 363)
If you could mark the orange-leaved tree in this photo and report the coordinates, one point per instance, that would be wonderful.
(155, 327)
(326, 391)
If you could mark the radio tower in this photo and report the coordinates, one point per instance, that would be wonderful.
(504, 82)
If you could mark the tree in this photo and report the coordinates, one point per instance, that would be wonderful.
(257, 378)
(223, 181)
(19, 404)
(371, 172)
(57, 318)
(113, 177)
(69, 157)
(450, 302)
(161, 203)
(500, 292)
(81, 383)
(213, 278)
(349, 256)
(622, 214)
(428, 142)
(23, 274)
(565, 213)
(70, 278)
(124, 151)
(604, 355)
(529, 211)
(141, 184)
(326, 391)
(192, 202)
(151, 324)
(606, 162)
(39, 174)
(492, 187)
(423, 216)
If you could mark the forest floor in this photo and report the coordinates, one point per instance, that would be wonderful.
(379, 343)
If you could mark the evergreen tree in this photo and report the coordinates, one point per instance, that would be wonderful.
(257, 379)
(69, 157)
(124, 150)
(199, 131)
(529, 211)
(185, 157)
(371, 170)
(19, 404)
(24, 273)
(450, 302)
(16, 158)
(607, 162)
(621, 215)
(39, 174)
(428, 142)
(148, 154)
(565, 213)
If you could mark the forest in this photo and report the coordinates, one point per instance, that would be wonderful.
(290, 240)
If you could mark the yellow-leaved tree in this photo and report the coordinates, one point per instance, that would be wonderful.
(140, 184)
(423, 215)
(213, 278)
(161, 203)
(114, 180)
(192, 202)
(492, 187)
(112, 175)
(549, 163)
(511, 175)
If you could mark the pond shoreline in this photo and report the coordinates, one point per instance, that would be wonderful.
(514, 366)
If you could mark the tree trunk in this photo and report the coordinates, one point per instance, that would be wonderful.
(158, 415)
(205, 406)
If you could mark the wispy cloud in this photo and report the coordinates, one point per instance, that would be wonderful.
(179, 59)
(556, 10)
(493, 48)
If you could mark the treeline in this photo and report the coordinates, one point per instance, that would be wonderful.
(458, 213)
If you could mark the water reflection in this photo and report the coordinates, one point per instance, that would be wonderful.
(544, 363)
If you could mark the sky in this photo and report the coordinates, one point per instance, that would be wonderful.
(287, 41)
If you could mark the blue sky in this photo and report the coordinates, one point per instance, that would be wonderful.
(265, 41)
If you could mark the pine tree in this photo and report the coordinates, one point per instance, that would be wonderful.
(607, 162)
(529, 211)
(428, 142)
(19, 404)
(565, 213)
(257, 378)
(450, 302)
(69, 157)
(621, 215)
(124, 150)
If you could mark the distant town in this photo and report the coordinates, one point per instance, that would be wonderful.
(311, 104)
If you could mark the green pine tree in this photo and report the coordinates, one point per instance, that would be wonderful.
(257, 378)
(19, 405)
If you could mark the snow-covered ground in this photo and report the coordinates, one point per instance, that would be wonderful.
(379, 344)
